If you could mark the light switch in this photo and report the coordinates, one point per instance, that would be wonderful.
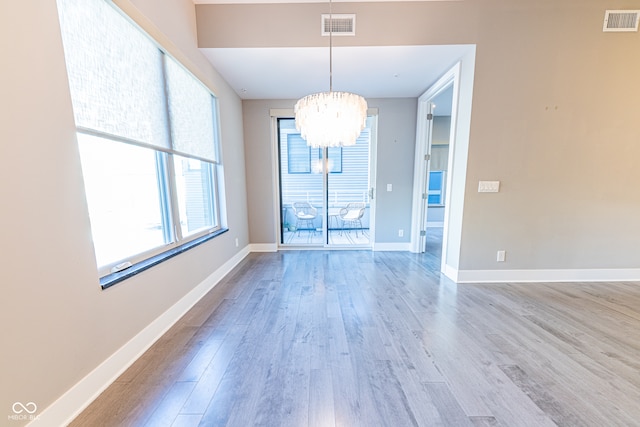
(389, 187)
(488, 186)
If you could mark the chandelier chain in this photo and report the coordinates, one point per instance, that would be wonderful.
(331, 119)
(330, 48)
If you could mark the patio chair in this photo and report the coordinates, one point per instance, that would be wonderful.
(305, 214)
(352, 215)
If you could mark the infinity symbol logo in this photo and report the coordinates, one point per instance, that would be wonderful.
(19, 408)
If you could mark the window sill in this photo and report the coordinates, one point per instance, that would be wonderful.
(113, 278)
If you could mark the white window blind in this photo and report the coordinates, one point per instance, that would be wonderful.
(191, 112)
(115, 73)
(147, 132)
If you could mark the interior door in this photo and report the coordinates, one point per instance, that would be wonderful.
(425, 184)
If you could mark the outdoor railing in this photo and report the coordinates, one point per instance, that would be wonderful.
(336, 200)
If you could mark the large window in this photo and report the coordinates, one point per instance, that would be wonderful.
(147, 133)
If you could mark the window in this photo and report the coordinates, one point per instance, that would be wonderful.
(147, 135)
(301, 160)
(436, 188)
(334, 159)
(196, 200)
(348, 168)
(299, 154)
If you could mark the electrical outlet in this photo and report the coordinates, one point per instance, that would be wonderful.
(501, 256)
(401, 233)
(389, 187)
(237, 243)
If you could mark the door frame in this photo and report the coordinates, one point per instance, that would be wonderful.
(421, 166)
(286, 113)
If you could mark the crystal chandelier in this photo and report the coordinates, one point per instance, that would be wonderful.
(331, 119)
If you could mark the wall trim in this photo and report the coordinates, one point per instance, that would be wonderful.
(263, 247)
(68, 406)
(556, 275)
(450, 272)
(405, 246)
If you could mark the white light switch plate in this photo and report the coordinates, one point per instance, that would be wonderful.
(389, 187)
(488, 186)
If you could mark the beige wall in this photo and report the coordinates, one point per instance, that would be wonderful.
(56, 324)
(297, 24)
(554, 118)
(259, 167)
(553, 94)
(396, 138)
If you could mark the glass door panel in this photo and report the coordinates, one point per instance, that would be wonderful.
(348, 204)
(301, 188)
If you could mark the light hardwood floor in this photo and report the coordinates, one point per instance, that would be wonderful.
(359, 338)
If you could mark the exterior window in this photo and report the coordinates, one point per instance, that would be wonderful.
(302, 159)
(436, 188)
(147, 134)
(300, 165)
(123, 194)
(334, 159)
(299, 154)
(195, 184)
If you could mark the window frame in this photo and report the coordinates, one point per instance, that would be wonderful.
(169, 210)
(169, 191)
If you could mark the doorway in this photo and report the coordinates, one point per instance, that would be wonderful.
(437, 171)
(325, 195)
(433, 168)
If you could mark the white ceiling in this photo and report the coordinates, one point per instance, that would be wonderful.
(372, 71)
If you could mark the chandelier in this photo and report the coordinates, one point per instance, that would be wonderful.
(331, 119)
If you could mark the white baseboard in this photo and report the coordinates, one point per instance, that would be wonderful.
(406, 247)
(451, 273)
(75, 400)
(263, 247)
(559, 275)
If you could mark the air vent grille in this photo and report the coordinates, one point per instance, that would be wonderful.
(621, 20)
(340, 24)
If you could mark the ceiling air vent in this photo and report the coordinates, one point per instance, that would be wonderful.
(621, 20)
(340, 24)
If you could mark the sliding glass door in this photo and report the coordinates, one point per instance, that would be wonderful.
(301, 188)
(348, 191)
(325, 194)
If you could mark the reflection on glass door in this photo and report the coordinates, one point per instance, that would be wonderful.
(348, 203)
(324, 193)
(301, 188)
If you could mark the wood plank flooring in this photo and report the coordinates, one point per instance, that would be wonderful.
(360, 338)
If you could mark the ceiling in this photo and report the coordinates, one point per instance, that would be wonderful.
(371, 71)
